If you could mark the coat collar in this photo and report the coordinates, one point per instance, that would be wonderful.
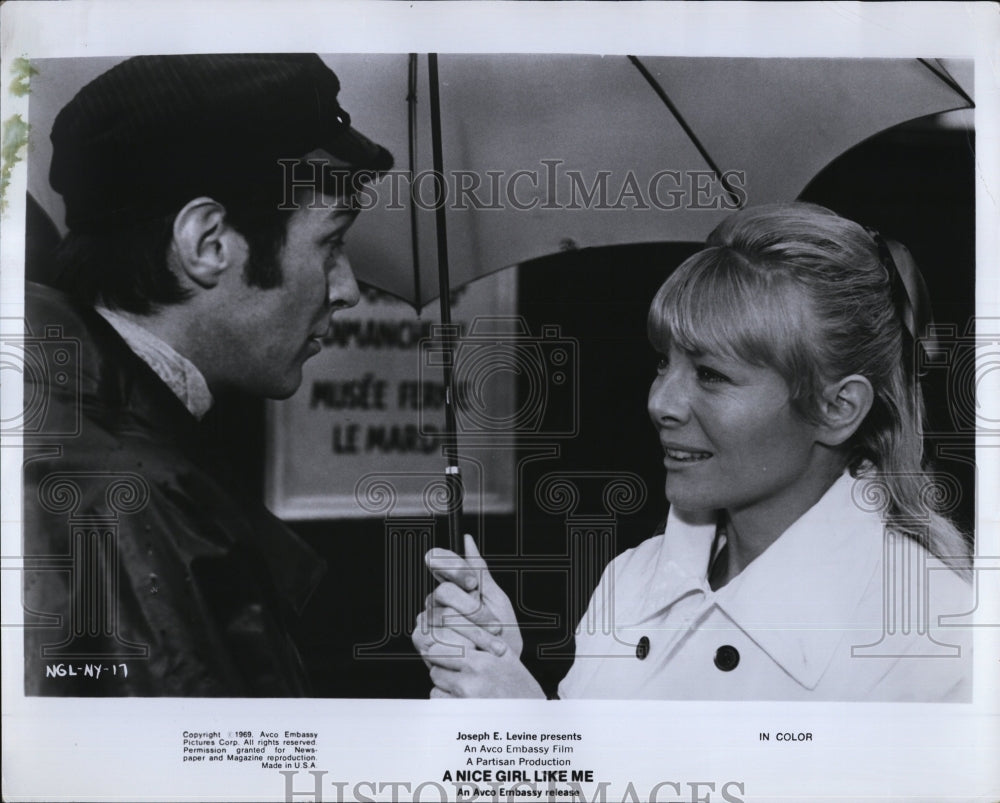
(177, 371)
(797, 597)
(115, 386)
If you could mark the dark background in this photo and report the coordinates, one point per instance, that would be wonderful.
(914, 183)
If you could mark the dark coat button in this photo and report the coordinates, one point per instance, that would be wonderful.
(642, 648)
(727, 658)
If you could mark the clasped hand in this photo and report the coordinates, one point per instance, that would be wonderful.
(467, 633)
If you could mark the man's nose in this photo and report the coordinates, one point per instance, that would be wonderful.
(342, 287)
(669, 398)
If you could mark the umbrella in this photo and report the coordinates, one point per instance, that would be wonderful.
(530, 155)
(543, 153)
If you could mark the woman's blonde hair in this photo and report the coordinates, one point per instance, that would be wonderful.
(799, 289)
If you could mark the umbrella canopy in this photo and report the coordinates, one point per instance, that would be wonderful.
(554, 152)
(564, 151)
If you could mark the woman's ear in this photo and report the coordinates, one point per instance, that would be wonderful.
(844, 405)
(204, 246)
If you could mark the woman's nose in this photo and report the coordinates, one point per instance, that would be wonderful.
(342, 287)
(669, 399)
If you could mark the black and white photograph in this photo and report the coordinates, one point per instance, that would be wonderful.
(499, 401)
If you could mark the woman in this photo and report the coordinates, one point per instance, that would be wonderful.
(800, 537)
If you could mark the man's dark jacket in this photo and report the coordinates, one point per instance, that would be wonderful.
(140, 557)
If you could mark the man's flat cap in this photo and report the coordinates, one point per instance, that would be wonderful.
(154, 132)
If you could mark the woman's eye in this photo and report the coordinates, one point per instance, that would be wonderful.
(710, 376)
(662, 364)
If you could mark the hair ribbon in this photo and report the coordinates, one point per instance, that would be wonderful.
(910, 297)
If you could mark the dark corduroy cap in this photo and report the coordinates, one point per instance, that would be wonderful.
(156, 131)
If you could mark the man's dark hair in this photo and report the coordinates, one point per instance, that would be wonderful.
(126, 267)
(157, 131)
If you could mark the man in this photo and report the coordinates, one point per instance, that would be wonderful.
(207, 199)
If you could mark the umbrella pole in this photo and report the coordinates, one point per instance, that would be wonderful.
(453, 474)
(411, 119)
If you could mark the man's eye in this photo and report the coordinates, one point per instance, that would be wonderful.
(334, 249)
(710, 376)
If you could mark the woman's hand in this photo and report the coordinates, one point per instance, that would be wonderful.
(467, 600)
(468, 634)
(478, 673)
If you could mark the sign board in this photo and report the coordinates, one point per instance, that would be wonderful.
(365, 429)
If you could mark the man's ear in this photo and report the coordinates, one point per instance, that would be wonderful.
(844, 405)
(204, 245)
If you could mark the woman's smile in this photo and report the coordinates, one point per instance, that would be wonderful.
(680, 454)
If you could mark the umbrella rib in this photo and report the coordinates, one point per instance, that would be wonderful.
(942, 74)
(661, 93)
